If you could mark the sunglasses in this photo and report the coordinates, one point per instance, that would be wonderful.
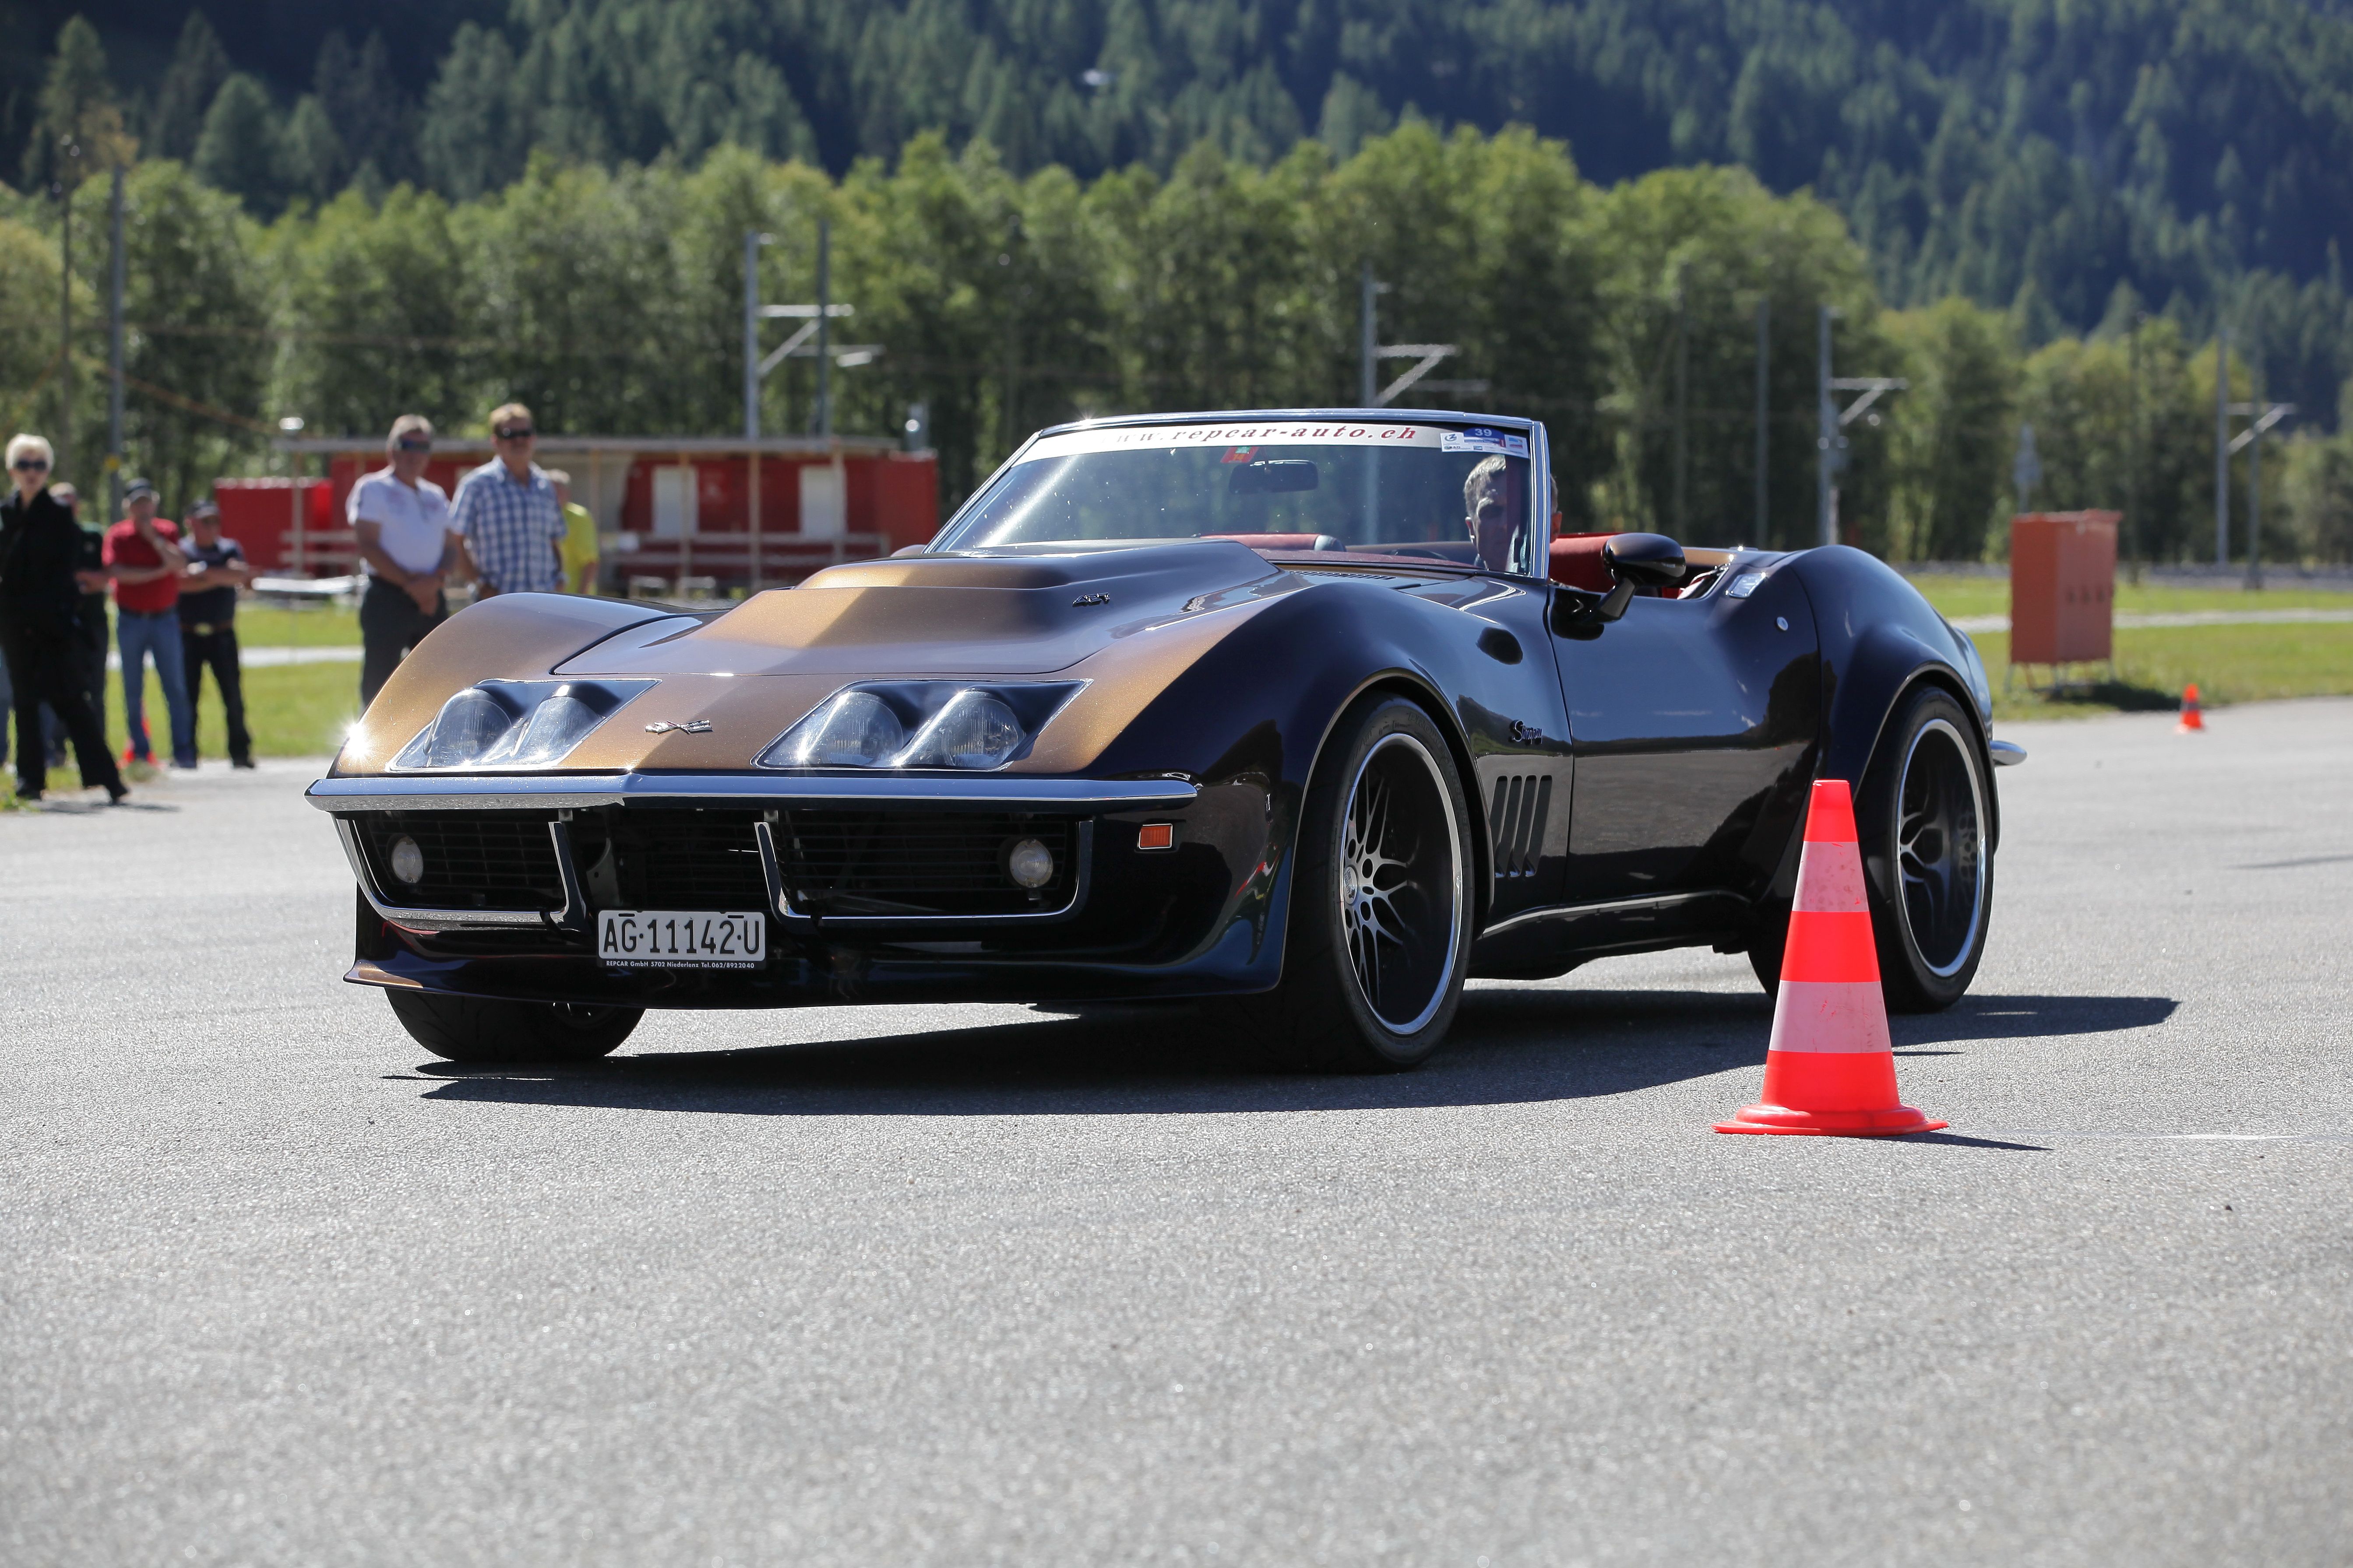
(515, 433)
(31, 465)
(407, 446)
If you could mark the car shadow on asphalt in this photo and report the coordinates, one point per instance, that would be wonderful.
(1510, 1046)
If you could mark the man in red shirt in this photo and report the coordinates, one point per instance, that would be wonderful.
(144, 558)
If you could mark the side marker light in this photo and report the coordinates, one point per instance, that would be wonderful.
(1156, 835)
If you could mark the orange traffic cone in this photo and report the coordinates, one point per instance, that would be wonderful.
(2190, 718)
(1829, 1071)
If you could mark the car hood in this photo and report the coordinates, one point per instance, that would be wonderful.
(1013, 613)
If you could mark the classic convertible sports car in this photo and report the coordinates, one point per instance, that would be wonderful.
(1303, 716)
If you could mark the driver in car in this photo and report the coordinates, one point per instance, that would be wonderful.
(1494, 513)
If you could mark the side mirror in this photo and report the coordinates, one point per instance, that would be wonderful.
(1638, 561)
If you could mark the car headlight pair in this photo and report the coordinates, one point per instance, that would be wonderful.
(967, 726)
(515, 723)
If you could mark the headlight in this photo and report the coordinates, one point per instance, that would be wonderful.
(921, 724)
(855, 730)
(515, 723)
(974, 731)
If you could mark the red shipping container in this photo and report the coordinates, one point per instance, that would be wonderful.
(2062, 587)
(260, 515)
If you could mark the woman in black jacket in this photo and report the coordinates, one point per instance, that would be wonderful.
(40, 600)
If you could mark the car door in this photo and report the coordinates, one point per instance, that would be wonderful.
(1692, 725)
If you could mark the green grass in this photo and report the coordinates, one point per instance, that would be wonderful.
(1958, 596)
(313, 625)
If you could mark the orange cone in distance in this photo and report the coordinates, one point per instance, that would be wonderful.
(2191, 717)
(1829, 1071)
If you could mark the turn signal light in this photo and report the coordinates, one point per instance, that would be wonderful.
(1156, 835)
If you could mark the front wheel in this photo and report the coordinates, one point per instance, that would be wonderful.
(1379, 937)
(1924, 821)
(481, 1030)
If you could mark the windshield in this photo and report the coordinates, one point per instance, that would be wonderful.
(1453, 493)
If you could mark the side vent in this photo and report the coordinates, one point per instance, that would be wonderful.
(1517, 821)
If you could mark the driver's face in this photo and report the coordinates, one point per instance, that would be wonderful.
(1494, 525)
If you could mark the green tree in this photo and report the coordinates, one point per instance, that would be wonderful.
(238, 149)
(78, 132)
(312, 162)
(199, 65)
(471, 142)
(1952, 430)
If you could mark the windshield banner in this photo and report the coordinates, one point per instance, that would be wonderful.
(1284, 433)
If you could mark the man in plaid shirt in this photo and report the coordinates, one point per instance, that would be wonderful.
(507, 513)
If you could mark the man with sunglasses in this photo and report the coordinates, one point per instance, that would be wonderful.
(407, 549)
(507, 513)
(40, 592)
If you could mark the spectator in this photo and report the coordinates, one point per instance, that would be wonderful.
(579, 548)
(144, 558)
(407, 549)
(95, 632)
(507, 513)
(39, 598)
(217, 570)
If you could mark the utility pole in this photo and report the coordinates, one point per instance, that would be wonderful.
(824, 410)
(752, 240)
(114, 361)
(1829, 445)
(1683, 383)
(2138, 529)
(2222, 446)
(1764, 386)
(65, 331)
(1368, 338)
(2255, 485)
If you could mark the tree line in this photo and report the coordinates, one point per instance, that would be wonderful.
(2073, 163)
(1625, 316)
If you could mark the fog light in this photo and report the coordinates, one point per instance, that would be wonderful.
(408, 861)
(1029, 863)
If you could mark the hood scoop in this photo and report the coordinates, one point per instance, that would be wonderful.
(1016, 611)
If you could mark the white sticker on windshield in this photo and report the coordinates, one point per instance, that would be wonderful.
(1286, 432)
(1480, 439)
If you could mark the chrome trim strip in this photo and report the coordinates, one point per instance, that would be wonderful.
(2006, 754)
(1659, 902)
(584, 791)
(574, 915)
(432, 919)
(772, 870)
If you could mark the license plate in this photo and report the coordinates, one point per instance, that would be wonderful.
(683, 939)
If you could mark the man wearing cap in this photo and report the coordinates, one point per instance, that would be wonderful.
(144, 558)
(217, 570)
(507, 513)
(38, 587)
(401, 520)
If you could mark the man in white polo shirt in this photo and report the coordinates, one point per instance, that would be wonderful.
(406, 542)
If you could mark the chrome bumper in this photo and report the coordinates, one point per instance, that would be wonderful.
(347, 798)
(2006, 754)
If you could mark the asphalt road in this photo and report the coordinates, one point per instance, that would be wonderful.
(982, 1284)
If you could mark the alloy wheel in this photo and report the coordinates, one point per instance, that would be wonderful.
(1400, 883)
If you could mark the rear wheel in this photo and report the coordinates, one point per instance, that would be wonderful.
(478, 1029)
(1380, 902)
(1923, 819)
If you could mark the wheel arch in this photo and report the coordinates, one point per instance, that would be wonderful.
(1417, 689)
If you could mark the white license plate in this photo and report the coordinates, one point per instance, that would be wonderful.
(683, 939)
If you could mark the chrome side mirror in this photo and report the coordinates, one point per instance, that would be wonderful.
(1638, 561)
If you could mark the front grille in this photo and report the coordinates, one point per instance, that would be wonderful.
(682, 859)
(473, 859)
(918, 864)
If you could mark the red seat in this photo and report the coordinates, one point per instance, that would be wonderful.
(1577, 562)
(1271, 541)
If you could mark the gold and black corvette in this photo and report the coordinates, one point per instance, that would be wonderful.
(1310, 714)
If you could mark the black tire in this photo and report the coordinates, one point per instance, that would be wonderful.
(1928, 867)
(476, 1030)
(1381, 902)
